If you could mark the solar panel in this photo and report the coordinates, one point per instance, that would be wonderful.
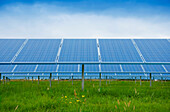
(8, 48)
(154, 50)
(6, 68)
(79, 50)
(132, 68)
(25, 68)
(84, 50)
(118, 50)
(46, 68)
(39, 50)
(110, 68)
(167, 67)
(154, 68)
(91, 68)
(68, 68)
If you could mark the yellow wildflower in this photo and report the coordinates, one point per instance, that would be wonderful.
(83, 96)
(70, 102)
(65, 96)
(61, 97)
(78, 100)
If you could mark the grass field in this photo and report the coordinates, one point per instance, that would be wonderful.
(116, 96)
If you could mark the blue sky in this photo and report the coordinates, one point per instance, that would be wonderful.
(84, 18)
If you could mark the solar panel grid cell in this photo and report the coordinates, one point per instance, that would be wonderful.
(24, 68)
(79, 50)
(117, 50)
(131, 68)
(110, 68)
(6, 68)
(154, 68)
(68, 68)
(8, 48)
(46, 68)
(154, 50)
(39, 50)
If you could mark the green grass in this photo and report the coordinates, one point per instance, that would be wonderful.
(116, 96)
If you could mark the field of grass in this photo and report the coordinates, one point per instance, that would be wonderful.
(115, 96)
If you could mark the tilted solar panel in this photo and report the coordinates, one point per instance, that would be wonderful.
(90, 68)
(110, 68)
(167, 67)
(118, 50)
(25, 68)
(154, 68)
(79, 50)
(154, 50)
(6, 68)
(39, 50)
(8, 48)
(46, 68)
(131, 68)
(68, 68)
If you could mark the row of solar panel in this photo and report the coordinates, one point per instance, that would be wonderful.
(87, 68)
(84, 50)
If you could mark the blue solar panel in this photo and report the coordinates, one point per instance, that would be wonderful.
(111, 68)
(132, 68)
(90, 68)
(46, 68)
(6, 68)
(154, 50)
(68, 68)
(39, 50)
(8, 48)
(84, 50)
(118, 50)
(153, 68)
(167, 67)
(25, 68)
(79, 50)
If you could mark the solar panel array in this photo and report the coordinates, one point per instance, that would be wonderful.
(84, 50)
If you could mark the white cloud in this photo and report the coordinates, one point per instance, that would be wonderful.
(42, 20)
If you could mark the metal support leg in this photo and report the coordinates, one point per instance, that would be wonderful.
(109, 80)
(82, 77)
(140, 81)
(72, 80)
(0, 78)
(6, 79)
(161, 80)
(38, 80)
(3, 79)
(150, 80)
(100, 75)
(135, 80)
(32, 79)
(50, 78)
(58, 79)
(106, 80)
